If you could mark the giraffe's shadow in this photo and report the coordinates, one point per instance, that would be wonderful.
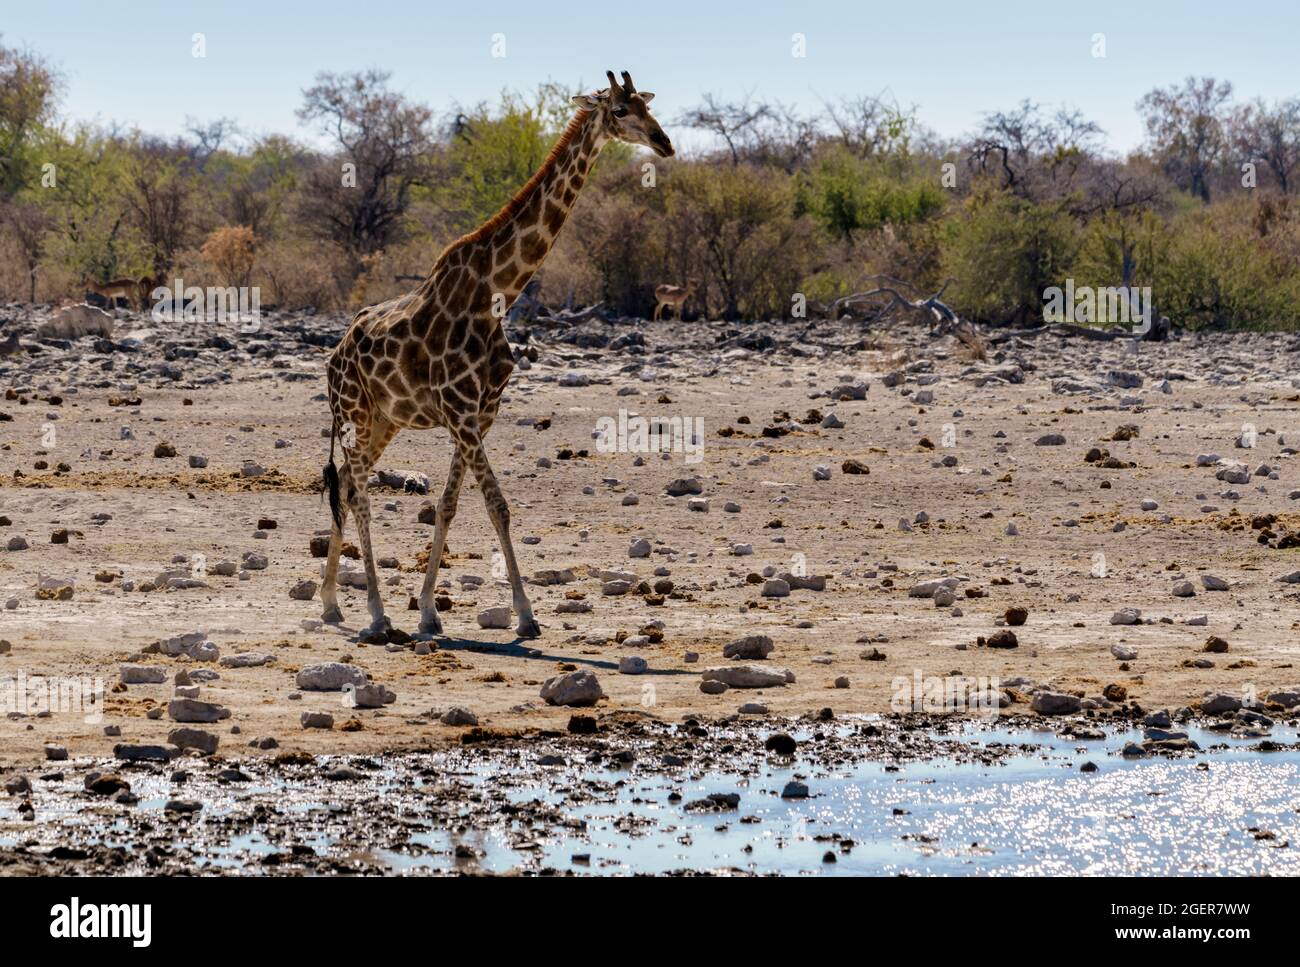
(527, 648)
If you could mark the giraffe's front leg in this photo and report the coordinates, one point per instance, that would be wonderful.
(499, 511)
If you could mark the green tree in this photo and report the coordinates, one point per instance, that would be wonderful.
(1002, 251)
(29, 90)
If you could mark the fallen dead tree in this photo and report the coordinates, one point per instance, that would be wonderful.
(944, 320)
(1157, 332)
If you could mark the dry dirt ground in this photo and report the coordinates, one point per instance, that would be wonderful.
(255, 398)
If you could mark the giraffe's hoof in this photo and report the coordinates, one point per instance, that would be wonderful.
(529, 629)
(431, 625)
(378, 628)
(332, 616)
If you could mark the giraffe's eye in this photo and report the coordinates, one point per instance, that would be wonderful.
(620, 112)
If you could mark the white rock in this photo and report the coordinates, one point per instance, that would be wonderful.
(494, 617)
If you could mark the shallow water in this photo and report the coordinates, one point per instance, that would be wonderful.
(1035, 813)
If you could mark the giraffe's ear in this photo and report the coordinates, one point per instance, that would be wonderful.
(586, 100)
(647, 96)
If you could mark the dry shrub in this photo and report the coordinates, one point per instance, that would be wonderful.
(391, 273)
(300, 272)
(232, 250)
(14, 282)
(568, 276)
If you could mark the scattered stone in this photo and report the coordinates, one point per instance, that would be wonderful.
(142, 674)
(781, 743)
(1056, 703)
(685, 485)
(749, 676)
(574, 689)
(459, 716)
(749, 648)
(370, 695)
(194, 739)
(1005, 638)
(193, 710)
(143, 753)
(632, 665)
(494, 618)
(1126, 616)
(303, 590)
(330, 676)
(1218, 703)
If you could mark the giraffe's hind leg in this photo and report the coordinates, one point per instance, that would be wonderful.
(371, 437)
(335, 491)
(361, 462)
(329, 595)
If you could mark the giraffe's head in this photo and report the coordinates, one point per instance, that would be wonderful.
(624, 114)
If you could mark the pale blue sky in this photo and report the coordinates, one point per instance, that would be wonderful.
(131, 62)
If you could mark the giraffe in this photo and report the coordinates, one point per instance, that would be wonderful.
(438, 356)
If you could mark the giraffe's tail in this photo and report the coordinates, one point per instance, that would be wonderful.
(331, 479)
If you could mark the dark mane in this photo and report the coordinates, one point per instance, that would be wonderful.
(513, 206)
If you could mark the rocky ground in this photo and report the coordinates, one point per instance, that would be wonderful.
(1089, 528)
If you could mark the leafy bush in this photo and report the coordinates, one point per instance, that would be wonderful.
(1002, 251)
(849, 195)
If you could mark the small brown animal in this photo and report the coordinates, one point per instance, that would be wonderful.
(672, 296)
(134, 291)
(10, 345)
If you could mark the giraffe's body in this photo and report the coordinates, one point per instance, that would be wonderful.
(438, 356)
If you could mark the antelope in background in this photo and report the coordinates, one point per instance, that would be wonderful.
(134, 291)
(672, 296)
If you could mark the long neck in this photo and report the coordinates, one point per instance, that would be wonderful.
(506, 251)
